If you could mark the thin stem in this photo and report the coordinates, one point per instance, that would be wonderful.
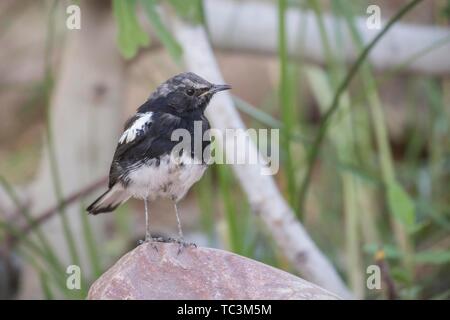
(285, 99)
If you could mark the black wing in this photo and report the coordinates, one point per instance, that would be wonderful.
(146, 136)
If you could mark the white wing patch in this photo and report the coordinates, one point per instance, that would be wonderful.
(136, 128)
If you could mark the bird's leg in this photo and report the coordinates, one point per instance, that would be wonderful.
(148, 235)
(180, 240)
(180, 231)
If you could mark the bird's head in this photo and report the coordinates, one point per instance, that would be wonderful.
(186, 92)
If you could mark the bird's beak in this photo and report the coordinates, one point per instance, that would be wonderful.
(220, 87)
(216, 88)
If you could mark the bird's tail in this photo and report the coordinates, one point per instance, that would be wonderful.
(108, 201)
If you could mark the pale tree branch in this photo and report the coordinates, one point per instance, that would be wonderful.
(252, 26)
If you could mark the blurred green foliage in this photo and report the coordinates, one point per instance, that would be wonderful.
(130, 34)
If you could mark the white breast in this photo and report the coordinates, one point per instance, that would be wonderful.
(168, 180)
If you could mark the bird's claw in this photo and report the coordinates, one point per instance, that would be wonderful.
(152, 241)
(182, 244)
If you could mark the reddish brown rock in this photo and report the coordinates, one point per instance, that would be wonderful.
(198, 273)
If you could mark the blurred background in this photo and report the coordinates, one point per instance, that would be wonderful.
(377, 194)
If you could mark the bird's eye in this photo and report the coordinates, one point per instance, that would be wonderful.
(190, 92)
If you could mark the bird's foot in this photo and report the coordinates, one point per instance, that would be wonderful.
(182, 244)
(152, 241)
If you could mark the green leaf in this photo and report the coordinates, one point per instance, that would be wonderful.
(161, 31)
(401, 205)
(266, 119)
(190, 10)
(130, 34)
(401, 275)
(435, 257)
(256, 113)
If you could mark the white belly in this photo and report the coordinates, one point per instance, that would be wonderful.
(168, 180)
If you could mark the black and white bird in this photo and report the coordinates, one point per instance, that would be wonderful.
(143, 165)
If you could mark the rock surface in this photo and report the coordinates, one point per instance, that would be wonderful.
(198, 273)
